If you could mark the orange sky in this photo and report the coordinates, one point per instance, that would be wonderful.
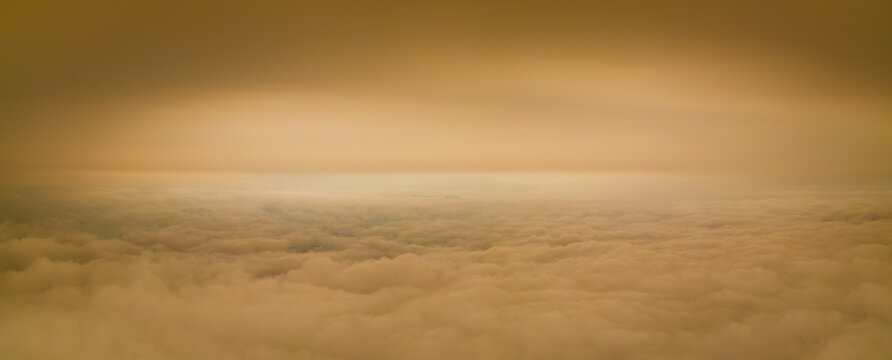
(797, 89)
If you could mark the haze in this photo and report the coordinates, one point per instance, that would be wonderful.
(422, 180)
(778, 89)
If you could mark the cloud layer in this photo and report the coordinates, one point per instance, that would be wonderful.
(166, 272)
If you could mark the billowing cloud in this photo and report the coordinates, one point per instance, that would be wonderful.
(468, 268)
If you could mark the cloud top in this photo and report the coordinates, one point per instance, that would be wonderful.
(186, 273)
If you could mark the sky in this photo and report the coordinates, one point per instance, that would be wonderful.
(780, 89)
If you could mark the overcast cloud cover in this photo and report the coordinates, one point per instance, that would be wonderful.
(471, 268)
